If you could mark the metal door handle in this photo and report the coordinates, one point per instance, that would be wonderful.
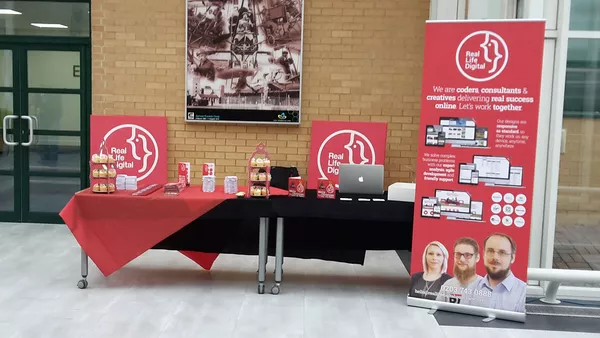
(30, 121)
(4, 125)
(37, 127)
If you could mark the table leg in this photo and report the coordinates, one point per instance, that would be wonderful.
(262, 253)
(82, 284)
(278, 257)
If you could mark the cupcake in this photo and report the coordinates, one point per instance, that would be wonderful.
(260, 162)
(111, 187)
(102, 173)
(96, 173)
(267, 162)
(95, 158)
(96, 188)
(103, 158)
(112, 172)
(263, 191)
(111, 159)
(103, 187)
(262, 177)
(253, 162)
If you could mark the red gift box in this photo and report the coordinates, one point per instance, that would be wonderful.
(296, 187)
(325, 188)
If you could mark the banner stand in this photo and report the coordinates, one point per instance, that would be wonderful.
(475, 167)
(489, 314)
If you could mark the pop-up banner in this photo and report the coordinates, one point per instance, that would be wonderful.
(137, 143)
(475, 166)
(337, 142)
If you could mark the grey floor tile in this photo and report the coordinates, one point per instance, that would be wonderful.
(163, 294)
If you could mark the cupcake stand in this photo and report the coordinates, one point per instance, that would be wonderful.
(259, 173)
(103, 173)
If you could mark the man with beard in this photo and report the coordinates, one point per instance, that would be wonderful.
(460, 288)
(500, 289)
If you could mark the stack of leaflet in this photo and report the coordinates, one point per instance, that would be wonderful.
(125, 182)
(121, 182)
(208, 183)
(173, 189)
(231, 184)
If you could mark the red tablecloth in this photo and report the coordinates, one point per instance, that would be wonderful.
(115, 229)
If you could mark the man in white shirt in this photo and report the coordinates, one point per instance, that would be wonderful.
(460, 288)
(500, 289)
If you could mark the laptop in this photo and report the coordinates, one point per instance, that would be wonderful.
(361, 179)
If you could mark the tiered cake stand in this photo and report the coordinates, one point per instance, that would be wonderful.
(259, 173)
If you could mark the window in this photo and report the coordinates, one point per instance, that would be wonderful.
(585, 15)
(36, 18)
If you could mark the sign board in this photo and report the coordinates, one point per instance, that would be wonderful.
(137, 143)
(475, 165)
(336, 142)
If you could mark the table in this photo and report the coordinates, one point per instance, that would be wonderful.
(115, 229)
(341, 224)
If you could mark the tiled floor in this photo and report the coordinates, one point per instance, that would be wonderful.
(577, 247)
(163, 294)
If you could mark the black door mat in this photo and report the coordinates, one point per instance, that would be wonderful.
(569, 316)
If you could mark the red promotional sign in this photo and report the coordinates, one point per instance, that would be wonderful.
(137, 143)
(476, 162)
(336, 142)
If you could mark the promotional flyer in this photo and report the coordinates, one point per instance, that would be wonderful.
(336, 142)
(476, 162)
(244, 60)
(137, 143)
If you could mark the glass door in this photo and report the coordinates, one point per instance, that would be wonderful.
(45, 131)
(54, 99)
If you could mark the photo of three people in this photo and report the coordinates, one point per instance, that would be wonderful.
(499, 289)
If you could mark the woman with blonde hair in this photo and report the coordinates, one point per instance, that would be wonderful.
(427, 284)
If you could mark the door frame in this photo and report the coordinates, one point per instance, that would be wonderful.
(20, 45)
(15, 173)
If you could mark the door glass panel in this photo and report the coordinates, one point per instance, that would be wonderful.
(53, 69)
(51, 194)
(6, 152)
(45, 18)
(6, 67)
(55, 111)
(55, 154)
(577, 240)
(585, 15)
(7, 193)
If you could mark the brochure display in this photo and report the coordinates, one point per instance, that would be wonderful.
(475, 166)
(244, 61)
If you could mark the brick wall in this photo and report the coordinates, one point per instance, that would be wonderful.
(579, 180)
(362, 62)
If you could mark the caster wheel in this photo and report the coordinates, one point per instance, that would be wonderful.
(82, 284)
(261, 289)
(275, 290)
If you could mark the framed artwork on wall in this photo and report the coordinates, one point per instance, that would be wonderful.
(244, 61)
